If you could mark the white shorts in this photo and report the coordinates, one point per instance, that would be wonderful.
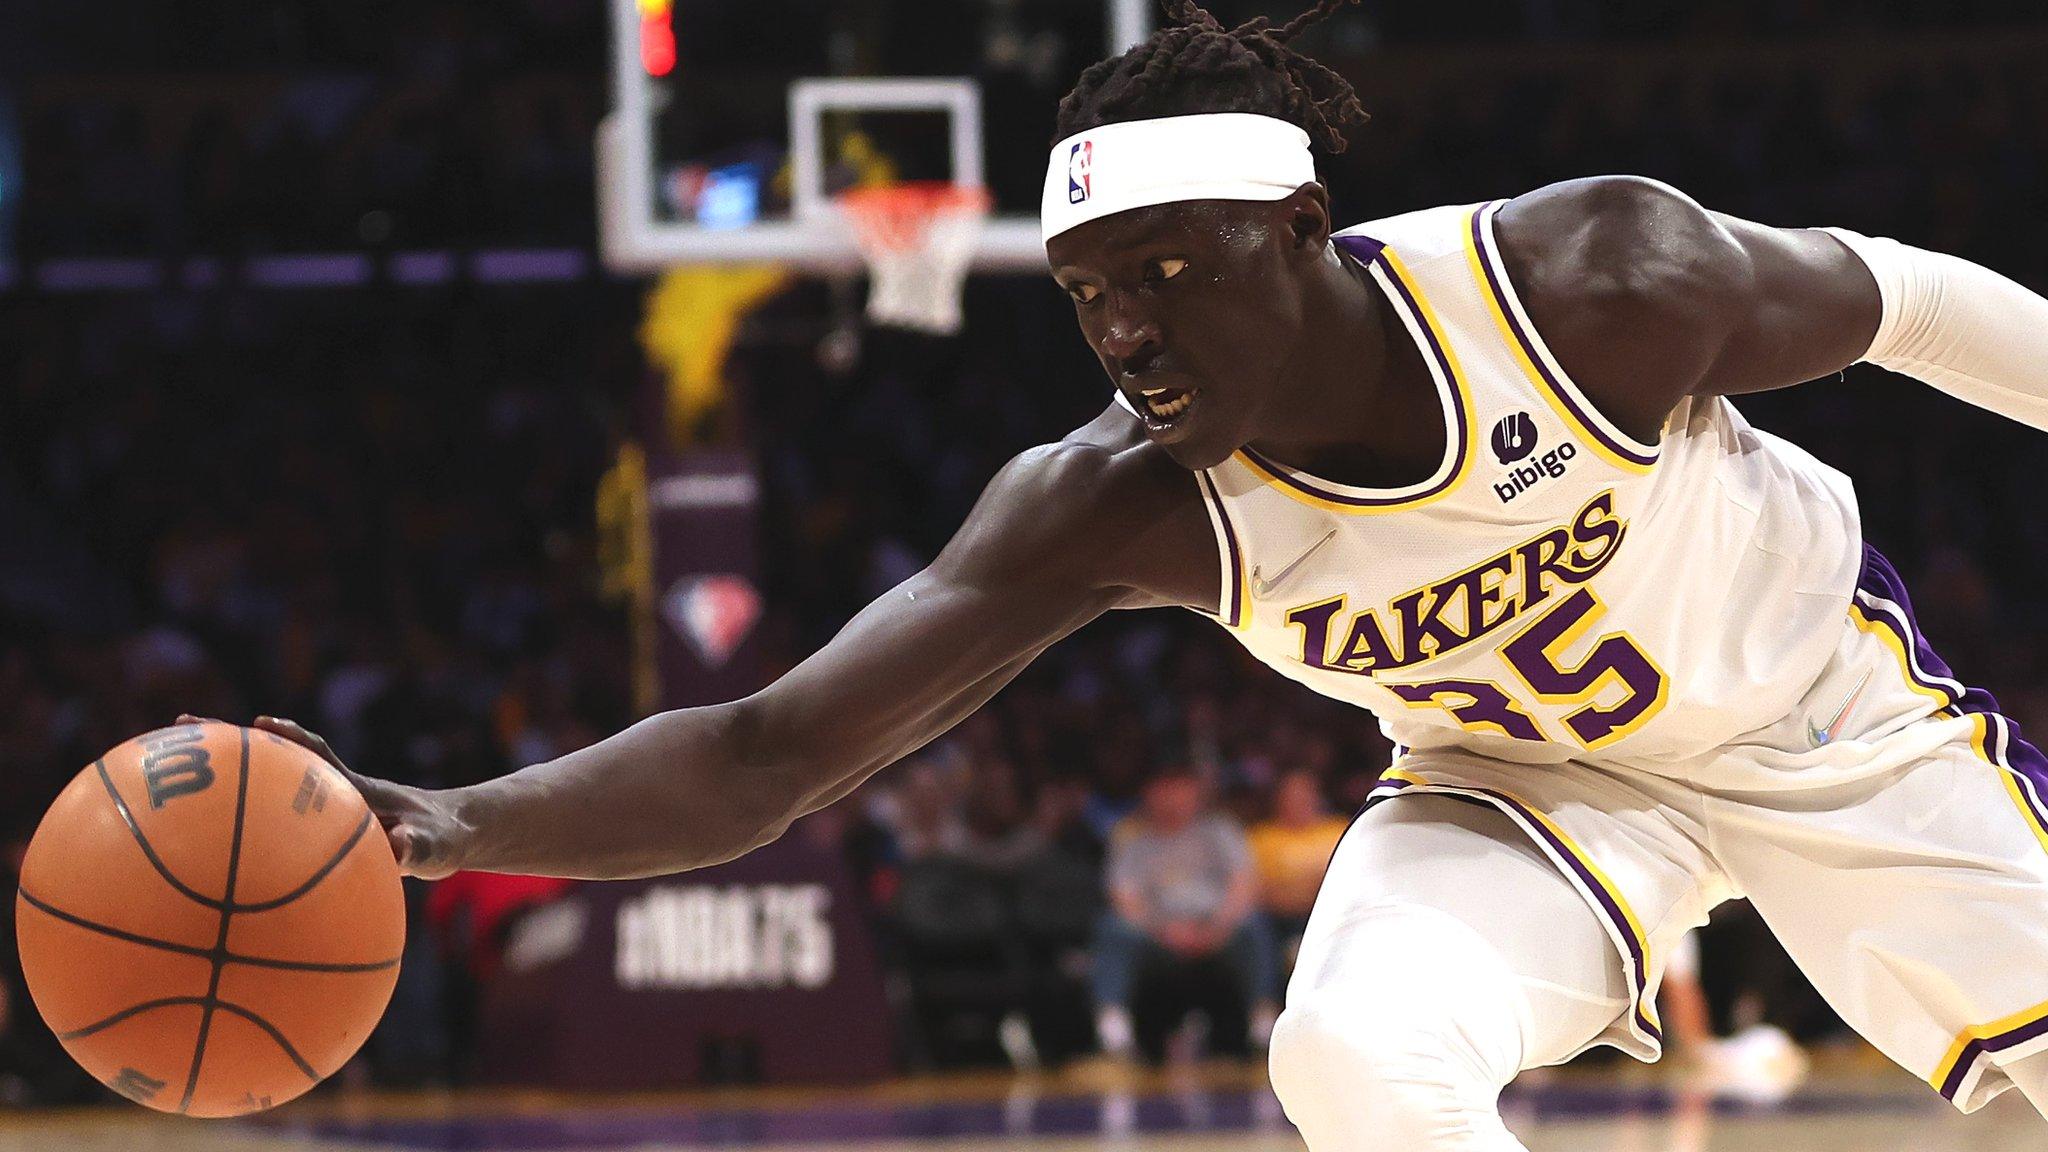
(1902, 858)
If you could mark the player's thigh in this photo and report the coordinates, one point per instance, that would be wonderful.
(1917, 901)
(1470, 862)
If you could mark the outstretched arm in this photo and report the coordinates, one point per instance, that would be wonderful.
(699, 786)
(1958, 326)
(1625, 272)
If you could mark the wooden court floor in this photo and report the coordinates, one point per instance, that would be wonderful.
(1186, 1110)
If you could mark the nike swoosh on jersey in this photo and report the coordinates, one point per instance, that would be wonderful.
(1261, 586)
(1824, 736)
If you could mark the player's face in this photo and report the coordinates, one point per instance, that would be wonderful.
(1191, 307)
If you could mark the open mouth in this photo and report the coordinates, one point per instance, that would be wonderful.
(1165, 407)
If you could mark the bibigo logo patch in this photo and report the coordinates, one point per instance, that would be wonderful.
(1514, 440)
(1514, 437)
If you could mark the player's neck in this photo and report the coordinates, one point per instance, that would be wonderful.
(1359, 405)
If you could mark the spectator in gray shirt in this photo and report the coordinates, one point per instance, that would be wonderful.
(1182, 895)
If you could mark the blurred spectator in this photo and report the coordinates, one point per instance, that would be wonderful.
(1060, 819)
(924, 810)
(1291, 848)
(1183, 895)
(998, 835)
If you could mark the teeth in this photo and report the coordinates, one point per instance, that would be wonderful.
(1154, 391)
(1171, 409)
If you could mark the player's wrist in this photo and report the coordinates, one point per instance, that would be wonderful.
(463, 836)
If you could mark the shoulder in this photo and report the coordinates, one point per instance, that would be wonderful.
(1083, 475)
(1074, 509)
(1620, 238)
(1623, 271)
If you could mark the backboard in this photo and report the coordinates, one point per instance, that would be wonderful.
(733, 122)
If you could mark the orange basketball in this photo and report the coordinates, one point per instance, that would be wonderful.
(210, 919)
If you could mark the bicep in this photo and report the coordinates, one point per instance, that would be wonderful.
(1806, 308)
(1647, 297)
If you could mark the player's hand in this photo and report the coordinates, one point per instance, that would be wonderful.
(426, 836)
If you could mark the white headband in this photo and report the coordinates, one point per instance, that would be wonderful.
(1139, 163)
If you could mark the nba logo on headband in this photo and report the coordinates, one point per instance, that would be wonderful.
(1206, 156)
(1079, 162)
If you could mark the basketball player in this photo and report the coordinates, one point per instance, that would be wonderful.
(1475, 469)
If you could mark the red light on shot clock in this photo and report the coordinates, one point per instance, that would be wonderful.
(657, 37)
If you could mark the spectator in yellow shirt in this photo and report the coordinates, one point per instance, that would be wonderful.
(1290, 849)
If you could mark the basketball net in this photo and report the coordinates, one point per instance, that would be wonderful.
(918, 239)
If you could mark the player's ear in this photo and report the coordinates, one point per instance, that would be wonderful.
(1307, 212)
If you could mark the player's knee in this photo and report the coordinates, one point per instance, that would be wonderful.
(1339, 1059)
(1410, 1059)
(1320, 1050)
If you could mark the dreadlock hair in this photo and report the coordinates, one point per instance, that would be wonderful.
(1196, 65)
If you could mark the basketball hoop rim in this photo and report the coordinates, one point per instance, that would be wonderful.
(897, 216)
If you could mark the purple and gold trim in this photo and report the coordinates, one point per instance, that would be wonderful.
(1577, 865)
(1882, 608)
(1393, 782)
(2023, 771)
(1537, 363)
(1233, 606)
(1876, 618)
(1890, 622)
(1962, 1066)
(1455, 395)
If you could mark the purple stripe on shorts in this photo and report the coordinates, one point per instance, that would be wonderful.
(1557, 388)
(1976, 1050)
(1386, 788)
(2005, 744)
(1386, 785)
(1908, 636)
(1607, 904)
(1879, 578)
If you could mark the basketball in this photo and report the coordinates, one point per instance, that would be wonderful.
(210, 919)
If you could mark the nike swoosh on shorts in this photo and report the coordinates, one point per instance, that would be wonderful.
(1824, 736)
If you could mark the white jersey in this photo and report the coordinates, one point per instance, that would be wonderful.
(1725, 687)
(1556, 590)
